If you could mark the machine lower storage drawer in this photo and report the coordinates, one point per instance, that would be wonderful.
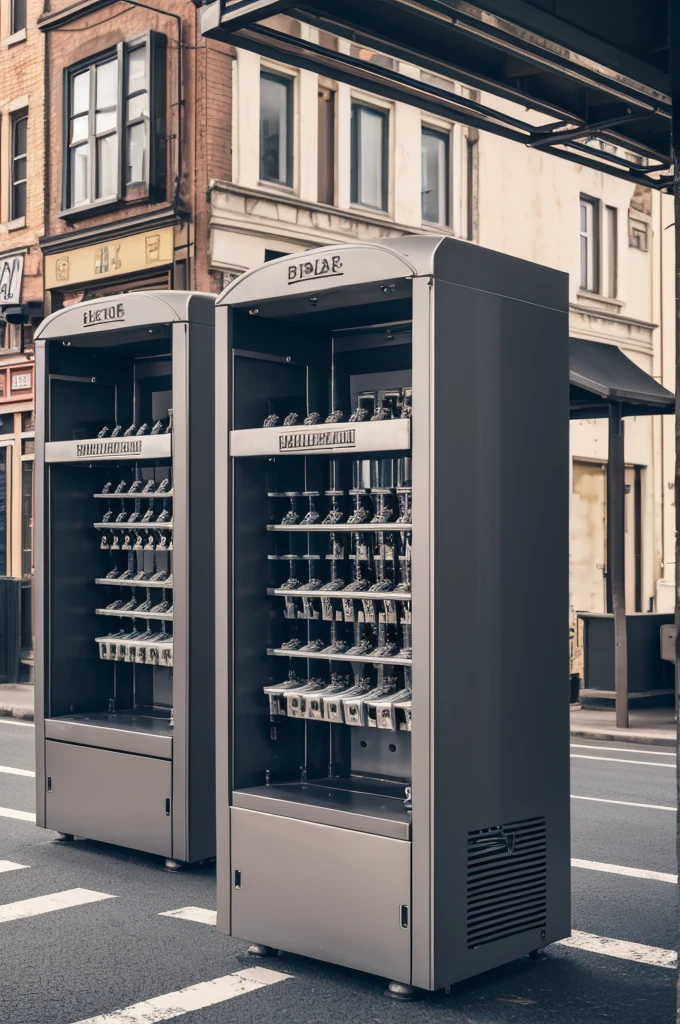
(109, 796)
(329, 893)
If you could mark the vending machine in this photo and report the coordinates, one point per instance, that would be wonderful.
(391, 554)
(124, 583)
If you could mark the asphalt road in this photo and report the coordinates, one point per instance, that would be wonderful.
(73, 964)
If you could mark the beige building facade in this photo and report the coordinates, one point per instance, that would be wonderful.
(315, 161)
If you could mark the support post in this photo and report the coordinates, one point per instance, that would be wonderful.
(616, 572)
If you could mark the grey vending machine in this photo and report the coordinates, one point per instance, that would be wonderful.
(391, 608)
(124, 593)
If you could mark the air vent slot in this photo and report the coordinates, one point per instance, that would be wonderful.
(506, 881)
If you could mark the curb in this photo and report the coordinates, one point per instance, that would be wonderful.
(599, 734)
(14, 712)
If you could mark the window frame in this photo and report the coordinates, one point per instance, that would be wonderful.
(273, 74)
(591, 281)
(13, 26)
(154, 186)
(16, 118)
(357, 104)
(445, 135)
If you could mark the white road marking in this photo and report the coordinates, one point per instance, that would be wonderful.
(653, 955)
(624, 803)
(7, 720)
(9, 865)
(622, 750)
(9, 812)
(624, 760)
(619, 869)
(46, 904)
(16, 771)
(196, 997)
(198, 914)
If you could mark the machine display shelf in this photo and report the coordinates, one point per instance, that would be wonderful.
(119, 613)
(130, 497)
(119, 449)
(134, 526)
(145, 731)
(153, 584)
(341, 528)
(322, 438)
(364, 595)
(347, 803)
(280, 652)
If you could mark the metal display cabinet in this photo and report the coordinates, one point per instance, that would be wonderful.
(124, 521)
(391, 598)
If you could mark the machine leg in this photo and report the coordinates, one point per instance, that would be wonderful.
(65, 837)
(399, 990)
(538, 954)
(173, 865)
(257, 950)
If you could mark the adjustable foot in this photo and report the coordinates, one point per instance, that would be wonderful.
(398, 990)
(257, 950)
(538, 954)
(173, 865)
(65, 837)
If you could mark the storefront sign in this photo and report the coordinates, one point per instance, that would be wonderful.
(145, 251)
(22, 381)
(16, 383)
(11, 273)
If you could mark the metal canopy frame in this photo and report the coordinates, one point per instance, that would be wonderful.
(585, 89)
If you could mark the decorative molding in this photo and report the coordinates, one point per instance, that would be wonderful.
(624, 331)
(106, 232)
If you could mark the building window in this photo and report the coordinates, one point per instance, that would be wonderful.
(276, 128)
(19, 148)
(611, 251)
(435, 176)
(326, 164)
(26, 516)
(368, 178)
(111, 104)
(590, 245)
(17, 16)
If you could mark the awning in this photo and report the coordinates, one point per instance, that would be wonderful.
(601, 373)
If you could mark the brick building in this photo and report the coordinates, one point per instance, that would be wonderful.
(138, 120)
(21, 293)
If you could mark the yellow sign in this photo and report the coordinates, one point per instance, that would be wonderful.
(98, 262)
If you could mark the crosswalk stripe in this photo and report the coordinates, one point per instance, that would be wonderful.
(46, 904)
(624, 750)
(198, 914)
(195, 997)
(624, 803)
(619, 869)
(623, 760)
(9, 812)
(6, 770)
(9, 865)
(653, 955)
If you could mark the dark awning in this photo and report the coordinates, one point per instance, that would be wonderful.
(601, 373)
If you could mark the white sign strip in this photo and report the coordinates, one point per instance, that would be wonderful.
(16, 771)
(46, 904)
(622, 750)
(9, 812)
(9, 865)
(653, 955)
(623, 803)
(196, 997)
(619, 869)
(198, 914)
(624, 760)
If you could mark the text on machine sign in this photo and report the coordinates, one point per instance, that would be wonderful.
(317, 439)
(88, 449)
(103, 314)
(321, 267)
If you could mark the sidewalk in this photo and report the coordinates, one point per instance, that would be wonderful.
(16, 700)
(648, 725)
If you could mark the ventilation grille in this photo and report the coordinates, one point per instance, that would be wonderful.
(506, 881)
